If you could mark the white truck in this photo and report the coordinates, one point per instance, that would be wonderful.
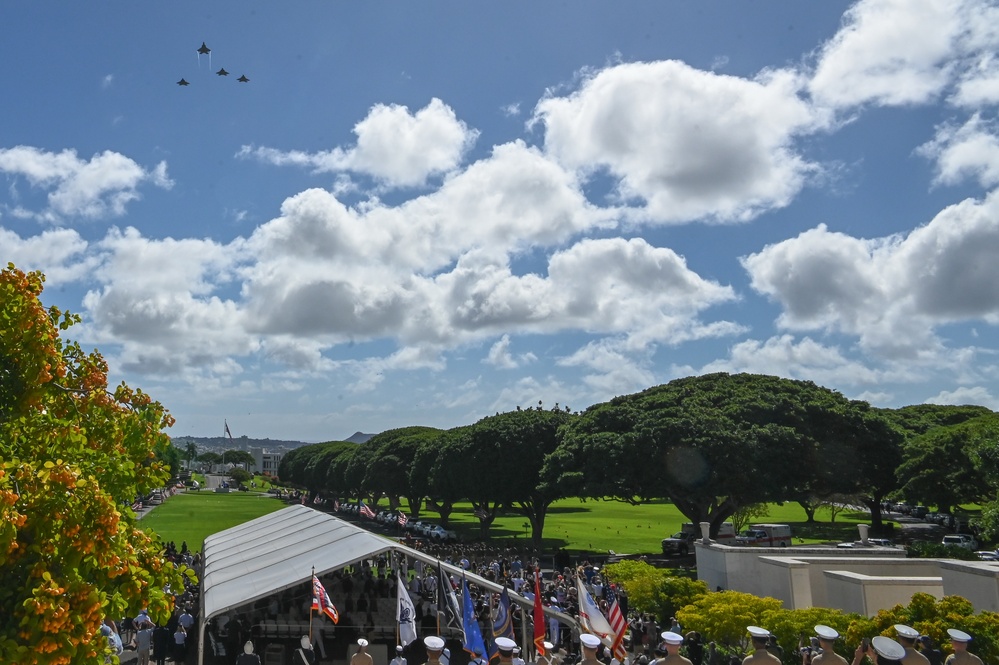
(766, 535)
(682, 542)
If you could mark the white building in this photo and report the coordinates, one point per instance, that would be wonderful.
(265, 461)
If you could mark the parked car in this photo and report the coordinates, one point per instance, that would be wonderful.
(965, 540)
(987, 555)
(919, 512)
(439, 533)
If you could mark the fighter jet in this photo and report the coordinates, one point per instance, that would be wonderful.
(243, 79)
(182, 82)
(222, 72)
(204, 49)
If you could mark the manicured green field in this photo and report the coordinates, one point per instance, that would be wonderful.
(191, 516)
(600, 526)
(592, 526)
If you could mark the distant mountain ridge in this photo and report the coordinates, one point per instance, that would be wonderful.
(248, 442)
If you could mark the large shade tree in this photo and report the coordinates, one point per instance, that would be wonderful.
(712, 444)
(74, 454)
(501, 457)
(394, 452)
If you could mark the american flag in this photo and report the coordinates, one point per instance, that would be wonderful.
(403, 520)
(618, 624)
(367, 512)
(336, 505)
(321, 600)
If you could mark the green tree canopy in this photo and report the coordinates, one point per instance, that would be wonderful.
(501, 458)
(388, 473)
(73, 457)
(714, 443)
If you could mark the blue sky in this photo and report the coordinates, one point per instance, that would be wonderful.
(425, 213)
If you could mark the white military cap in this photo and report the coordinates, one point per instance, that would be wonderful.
(248, 647)
(590, 641)
(516, 649)
(958, 635)
(888, 648)
(756, 631)
(825, 632)
(549, 646)
(505, 644)
(669, 637)
(433, 643)
(398, 647)
(362, 642)
(305, 642)
(906, 631)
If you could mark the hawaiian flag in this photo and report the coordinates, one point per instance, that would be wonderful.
(539, 616)
(403, 520)
(617, 622)
(321, 601)
(367, 512)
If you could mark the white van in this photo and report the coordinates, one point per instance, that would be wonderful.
(766, 535)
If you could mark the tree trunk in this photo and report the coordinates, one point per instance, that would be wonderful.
(809, 509)
(874, 505)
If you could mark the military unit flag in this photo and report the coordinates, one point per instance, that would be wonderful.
(591, 618)
(405, 613)
(539, 616)
(447, 602)
(471, 641)
(321, 601)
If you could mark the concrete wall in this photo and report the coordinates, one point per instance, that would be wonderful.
(978, 581)
(852, 580)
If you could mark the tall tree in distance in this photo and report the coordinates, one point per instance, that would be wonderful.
(73, 457)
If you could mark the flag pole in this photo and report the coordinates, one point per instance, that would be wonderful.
(312, 605)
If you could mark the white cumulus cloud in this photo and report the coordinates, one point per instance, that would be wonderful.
(684, 144)
(394, 146)
(99, 187)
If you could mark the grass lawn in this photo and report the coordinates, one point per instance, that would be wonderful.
(592, 526)
(599, 526)
(191, 516)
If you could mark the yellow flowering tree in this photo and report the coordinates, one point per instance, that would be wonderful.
(73, 457)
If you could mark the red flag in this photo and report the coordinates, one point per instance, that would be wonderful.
(321, 601)
(539, 616)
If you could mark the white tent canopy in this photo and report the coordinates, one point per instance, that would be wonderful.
(277, 551)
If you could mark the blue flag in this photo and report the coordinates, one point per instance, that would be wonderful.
(472, 635)
(503, 625)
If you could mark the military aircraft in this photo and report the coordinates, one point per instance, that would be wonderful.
(182, 82)
(222, 72)
(204, 49)
(243, 79)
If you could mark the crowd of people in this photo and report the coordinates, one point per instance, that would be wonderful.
(167, 641)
